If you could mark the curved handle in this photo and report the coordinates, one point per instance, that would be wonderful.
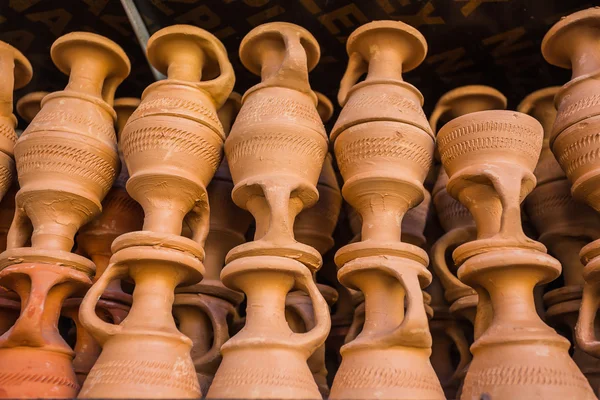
(458, 337)
(358, 321)
(584, 330)
(315, 337)
(414, 328)
(220, 87)
(218, 320)
(20, 230)
(356, 67)
(198, 220)
(435, 116)
(440, 266)
(101, 330)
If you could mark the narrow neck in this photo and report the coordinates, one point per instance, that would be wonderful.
(153, 298)
(87, 76)
(272, 54)
(185, 64)
(386, 63)
(384, 302)
(265, 309)
(585, 58)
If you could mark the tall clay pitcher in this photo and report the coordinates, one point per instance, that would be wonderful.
(490, 157)
(384, 148)
(573, 43)
(66, 163)
(275, 153)
(172, 146)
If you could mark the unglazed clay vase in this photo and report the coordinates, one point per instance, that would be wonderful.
(120, 214)
(464, 100)
(314, 227)
(447, 333)
(66, 162)
(564, 225)
(490, 157)
(275, 153)
(204, 311)
(172, 147)
(571, 43)
(384, 147)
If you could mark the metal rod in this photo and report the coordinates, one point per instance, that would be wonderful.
(141, 32)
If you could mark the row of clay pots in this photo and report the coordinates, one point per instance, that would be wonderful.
(178, 234)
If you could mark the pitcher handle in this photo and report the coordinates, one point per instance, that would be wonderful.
(584, 330)
(356, 67)
(414, 328)
(220, 331)
(358, 321)
(459, 339)
(101, 330)
(220, 87)
(316, 336)
(438, 259)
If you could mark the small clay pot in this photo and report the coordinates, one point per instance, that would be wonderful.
(384, 148)
(278, 141)
(275, 152)
(490, 157)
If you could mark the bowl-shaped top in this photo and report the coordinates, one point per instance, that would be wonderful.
(490, 137)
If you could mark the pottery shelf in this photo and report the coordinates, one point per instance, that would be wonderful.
(199, 242)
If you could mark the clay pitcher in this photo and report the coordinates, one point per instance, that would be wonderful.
(172, 147)
(571, 43)
(490, 157)
(275, 153)
(66, 162)
(383, 144)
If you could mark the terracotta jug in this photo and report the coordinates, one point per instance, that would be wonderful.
(384, 148)
(275, 153)
(205, 310)
(447, 333)
(564, 225)
(490, 157)
(172, 147)
(571, 43)
(120, 214)
(66, 162)
(314, 227)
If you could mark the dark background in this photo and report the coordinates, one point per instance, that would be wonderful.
(493, 42)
